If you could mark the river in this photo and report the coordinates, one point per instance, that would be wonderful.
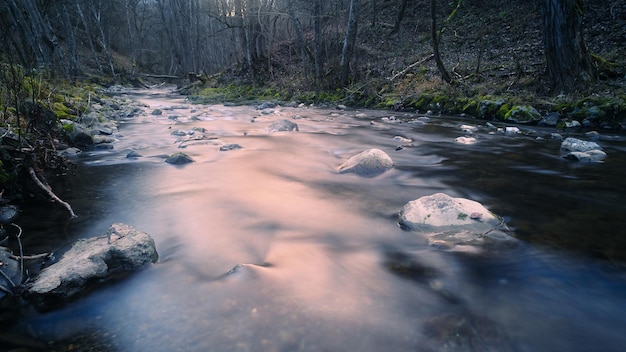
(269, 248)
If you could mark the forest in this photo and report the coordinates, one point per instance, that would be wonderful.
(239, 125)
(558, 56)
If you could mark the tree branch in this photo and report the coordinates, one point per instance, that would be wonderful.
(411, 66)
(47, 189)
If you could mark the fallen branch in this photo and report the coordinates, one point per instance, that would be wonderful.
(47, 189)
(159, 76)
(30, 257)
(411, 66)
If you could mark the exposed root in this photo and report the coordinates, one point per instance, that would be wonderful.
(47, 189)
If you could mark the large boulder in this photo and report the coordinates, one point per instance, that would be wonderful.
(449, 222)
(81, 137)
(369, 163)
(488, 108)
(572, 144)
(90, 262)
(583, 151)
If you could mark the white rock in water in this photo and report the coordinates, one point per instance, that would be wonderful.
(469, 128)
(465, 140)
(402, 139)
(439, 213)
(571, 144)
(572, 124)
(371, 162)
(511, 130)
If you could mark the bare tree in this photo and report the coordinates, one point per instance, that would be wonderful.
(569, 65)
(349, 42)
(436, 37)
(97, 12)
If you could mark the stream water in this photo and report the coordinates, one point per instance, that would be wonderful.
(269, 248)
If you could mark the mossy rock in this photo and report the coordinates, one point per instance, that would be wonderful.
(470, 106)
(68, 128)
(523, 114)
(440, 103)
(422, 102)
(488, 108)
(503, 111)
(63, 112)
(595, 113)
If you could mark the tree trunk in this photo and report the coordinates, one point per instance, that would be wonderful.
(317, 23)
(131, 41)
(399, 17)
(299, 35)
(97, 15)
(569, 66)
(436, 34)
(348, 44)
(74, 68)
(89, 37)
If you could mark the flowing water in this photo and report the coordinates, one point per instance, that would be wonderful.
(269, 248)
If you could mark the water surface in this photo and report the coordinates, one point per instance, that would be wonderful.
(268, 248)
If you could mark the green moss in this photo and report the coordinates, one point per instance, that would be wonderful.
(441, 103)
(469, 106)
(503, 111)
(387, 103)
(68, 128)
(63, 112)
(488, 107)
(607, 67)
(421, 103)
(523, 114)
(462, 216)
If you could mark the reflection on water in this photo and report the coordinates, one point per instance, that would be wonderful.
(268, 248)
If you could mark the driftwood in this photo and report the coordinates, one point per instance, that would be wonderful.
(47, 189)
(159, 76)
(411, 66)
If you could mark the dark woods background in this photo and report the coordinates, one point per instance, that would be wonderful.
(329, 42)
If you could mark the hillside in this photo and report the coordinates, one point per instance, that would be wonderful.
(492, 48)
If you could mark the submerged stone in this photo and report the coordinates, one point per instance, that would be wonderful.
(178, 159)
(592, 156)
(227, 147)
(8, 214)
(369, 163)
(283, 126)
(133, 154)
